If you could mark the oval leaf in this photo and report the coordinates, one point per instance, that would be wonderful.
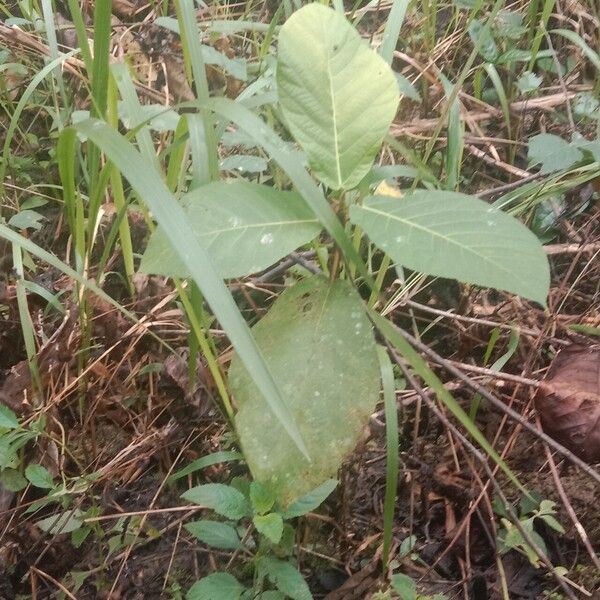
(319, 346)
(286, 577)
(218, 586)
(261, 223)
(215, 534)
(271, 526)
(337, 95)
(457, 236)
(223, 499)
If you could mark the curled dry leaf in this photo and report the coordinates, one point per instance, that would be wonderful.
(568, 401)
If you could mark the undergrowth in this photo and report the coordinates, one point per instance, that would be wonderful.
(280, 282)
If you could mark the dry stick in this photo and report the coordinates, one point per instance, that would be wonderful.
(570, 511)
(473, 450)
(51, 579)
(495, 374)
(499, 404)
(543, 103)
(477, 321)
(553, 249)
(129, 549)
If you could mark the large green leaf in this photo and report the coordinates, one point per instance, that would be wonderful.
(319, 345)
(245, 228)
(337, 95)
(457, 236)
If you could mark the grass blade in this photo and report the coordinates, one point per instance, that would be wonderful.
(150, 186)
(388, 330)
(392, 30)
(391, 439)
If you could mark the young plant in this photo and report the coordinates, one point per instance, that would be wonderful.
(255, 525)
(308, 376)
(511, 538)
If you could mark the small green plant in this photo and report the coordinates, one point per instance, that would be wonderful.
(509, 536)
(406, 588)
(257, 526)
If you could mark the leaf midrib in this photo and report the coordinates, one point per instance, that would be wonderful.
(446, 239)
(257, 225)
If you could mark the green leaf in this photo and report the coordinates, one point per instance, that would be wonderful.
(552, 152)
(206, 461)
(337, 95)
(407, 88)
(12, 480)
(404, 586)
(310, 501)
(39, 476)
(483, 40)
(27, 219)
(528, 82)
(286, 578)
(78, 536)
(8, 419)
(552, 522)
(271, 526)
(223, 499)
(261, 498)
(213, 533)
(457, 236)
(152, 189)
(65, 522)
(218, 586)
(261, 223)
(244, 163)
(317, 328)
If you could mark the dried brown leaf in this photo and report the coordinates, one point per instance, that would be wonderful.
(568, 401)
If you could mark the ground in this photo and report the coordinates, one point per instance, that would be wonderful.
(119, 412)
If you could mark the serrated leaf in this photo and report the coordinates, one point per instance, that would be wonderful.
(319, 346)
(552, 152)
(310, 501)
(407, 88)
(27, 219)
(261, 498)
(215, 534)
(483, 40)
(218, 586)
(260, 222)
(12, 480)
(528, 82)
(337, 95)
(404, 586)
(271, 526)
(39, 476)
(223, 499)
(457, 236)
(285, 577)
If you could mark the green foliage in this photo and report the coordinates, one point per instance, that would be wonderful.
(510, 536)
(454, 235)
(315, 327)
(218, 586)
(338, 96)
(223, 499)
(272, 562)
(261, 223)
(552, 153)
